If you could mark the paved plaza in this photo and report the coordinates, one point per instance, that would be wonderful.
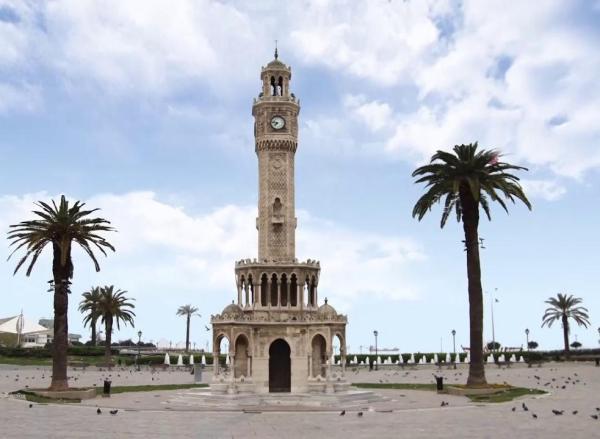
(398, 413)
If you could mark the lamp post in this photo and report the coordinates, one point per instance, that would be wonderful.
(139, 350)
(454, 341)
(375, 333)
(527, 335)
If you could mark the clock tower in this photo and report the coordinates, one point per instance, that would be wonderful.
(280, 339)
(275, 114)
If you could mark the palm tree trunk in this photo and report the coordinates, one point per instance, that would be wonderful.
(93, 322)
(470, 226)
(108, 341)
(61, 326)
(187, 335)
(565, 323)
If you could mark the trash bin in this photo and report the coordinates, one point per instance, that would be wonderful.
(106, 392)
(439, 381)
(197, 375)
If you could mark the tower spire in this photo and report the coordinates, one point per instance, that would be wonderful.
(276, 53)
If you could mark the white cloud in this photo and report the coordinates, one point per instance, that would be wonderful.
(547, 189)
(165, 253)
(22, 97)
(376, 115)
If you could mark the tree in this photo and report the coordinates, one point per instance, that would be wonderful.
(89, 307)
(188, 311)
(563, 308)
(114, 308)
(467, 180)
(60, 226)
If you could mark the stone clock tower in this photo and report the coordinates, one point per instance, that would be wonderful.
(276, 132)
(280, 340)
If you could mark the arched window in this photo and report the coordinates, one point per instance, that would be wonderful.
(273, 86)
(284, 290)
(264, 286)
(251, 290)
(293, 291)
(280, 86)
(274, 290)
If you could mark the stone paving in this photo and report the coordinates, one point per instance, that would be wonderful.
(414, 414)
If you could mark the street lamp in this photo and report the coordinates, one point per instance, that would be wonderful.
(454, 341)
(375, 333)
(139, 350)
(527, 335)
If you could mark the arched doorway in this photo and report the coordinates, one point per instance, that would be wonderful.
(280, 371)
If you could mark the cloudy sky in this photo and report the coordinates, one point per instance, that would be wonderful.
(143, 108)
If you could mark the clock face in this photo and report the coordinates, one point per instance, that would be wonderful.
(277, 122)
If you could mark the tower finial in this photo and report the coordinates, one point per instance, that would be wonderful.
(276, 53)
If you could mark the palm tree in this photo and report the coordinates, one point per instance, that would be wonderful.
(60, 226)
(113, 308)
(188, 311)
(563, 308)
(89, 307)
(465, 181)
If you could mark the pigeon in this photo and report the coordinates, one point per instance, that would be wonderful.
(99, 412)
(557, 412)
(114, 412)
(514, 408)
(444, 404)
(594, 416)
(343, 413)
(360, 414)
(207, 328)
(525, 407)
(575, 412)
(30, 405)
(534, 416)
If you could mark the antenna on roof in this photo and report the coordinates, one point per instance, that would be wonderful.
(276, 53)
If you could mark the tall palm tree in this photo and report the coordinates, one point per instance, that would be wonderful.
(60, 226)
(188, 311)
(563, 308)
(466, 180)
(113, 308)
(89, 307)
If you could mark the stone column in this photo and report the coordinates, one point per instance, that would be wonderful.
(239, 288)
(257, 294)
(269, 293)
(278, 294)
(310, 371)
(248, 366)
(301, 292)
(215, 364)
(247, 291)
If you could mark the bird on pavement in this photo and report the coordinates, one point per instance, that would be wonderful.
(114, 412)
(575, 412)
(594, 416)
(514, 409)
(524, 407)
(534, 416)
(343, 413)
(557, 412)
(99, 412)
(360, 414)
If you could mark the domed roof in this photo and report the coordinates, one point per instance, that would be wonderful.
(232, 308)
(327, 310)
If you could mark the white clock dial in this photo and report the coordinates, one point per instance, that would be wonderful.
(277, 122)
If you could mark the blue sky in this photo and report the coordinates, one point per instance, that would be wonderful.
(143, 108)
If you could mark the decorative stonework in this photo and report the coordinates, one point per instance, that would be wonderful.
(279, 338)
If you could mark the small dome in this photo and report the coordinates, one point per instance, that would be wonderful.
(232, 308)
(327, 310)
